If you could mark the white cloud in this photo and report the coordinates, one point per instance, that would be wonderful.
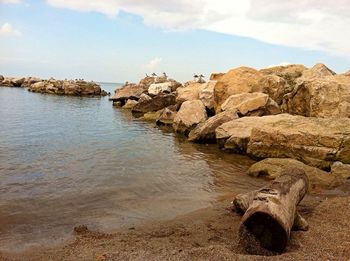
(7, 30)
(153, 64)
(310, 24)
(10, 1)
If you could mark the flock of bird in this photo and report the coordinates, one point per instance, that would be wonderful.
(196, 77)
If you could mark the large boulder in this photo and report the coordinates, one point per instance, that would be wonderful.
(216, 76)
(30, 80)
(157, 88)
(40, 86)
(327, 96)
(236, 81)
(273, 167)
(206, 131)
(191, 113)
(255, 103)
(317, 71)
(128, 91)
(206, 94)
(315, 141)
(154, 104)
(189, 92)
(130, 104)
(146, 82)
(289, 73)
(167, 117)
(17, 82)
(341, 169)
(275, 86)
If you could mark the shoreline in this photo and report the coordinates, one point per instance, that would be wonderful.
(206, 234)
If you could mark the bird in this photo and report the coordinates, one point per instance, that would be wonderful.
(147, 75)
(154, 74)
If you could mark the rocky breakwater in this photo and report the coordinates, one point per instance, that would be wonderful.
(67, 87)
(293, 114)
(53, 86)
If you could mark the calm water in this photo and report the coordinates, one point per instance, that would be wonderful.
(66, 161)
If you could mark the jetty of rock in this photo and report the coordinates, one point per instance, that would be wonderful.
(53, 86)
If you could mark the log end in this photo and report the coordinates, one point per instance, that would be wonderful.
(267, 230)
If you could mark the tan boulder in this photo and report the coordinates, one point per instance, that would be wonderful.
(327, 96)
(236, 81)
(275, 86)
(167, 117)
(246, 103)
(152, 115)
(157, 88)
(317, 71)
(272, 168)
(206, 131)
(156, 103)
(347, 73)
(128, 91)
(206, 94)
(189, 93)
(146, 82)
(341, 169)
(38, 87)
(315, 141)
(191, 113)
(289, 73)
(130, 104)
(216, 76)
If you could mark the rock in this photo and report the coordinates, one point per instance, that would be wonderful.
(155, 104)
(315, 141)
(289, 73)
(190, 114)
(347, 73)
(30, 80)
(130, 104)
(236, 81)
(129, 91)
(157, 88)
(74, 88)
(206, 94)
(146, 82)
(216, 76)
(317, 71)
(273, 167)
(152, 116)
(327, 96)
(275, 86)
(167, 117)
(340, 169)
(189, 93)
(206, 131)
(39, 87)
(246, 103)
(17, 82)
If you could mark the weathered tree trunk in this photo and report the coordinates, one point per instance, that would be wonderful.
(270, 212)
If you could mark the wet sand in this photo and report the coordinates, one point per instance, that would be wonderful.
(208, 234)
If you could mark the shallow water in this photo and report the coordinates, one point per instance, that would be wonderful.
(66, 161)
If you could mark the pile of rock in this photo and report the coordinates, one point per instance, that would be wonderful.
(292, 114)
(73, 88)
(53, 86)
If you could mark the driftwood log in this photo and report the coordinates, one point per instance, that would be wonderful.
(270, 212)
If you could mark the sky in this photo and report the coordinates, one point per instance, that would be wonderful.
(121, 40)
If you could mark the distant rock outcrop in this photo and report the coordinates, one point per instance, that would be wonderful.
(72, 88)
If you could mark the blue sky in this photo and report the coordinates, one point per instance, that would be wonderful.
(56, 38)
